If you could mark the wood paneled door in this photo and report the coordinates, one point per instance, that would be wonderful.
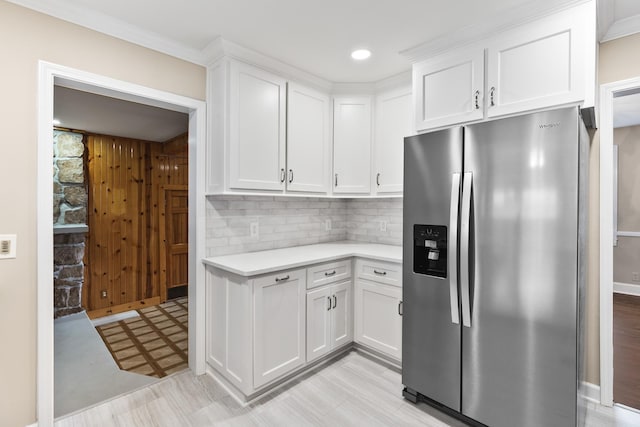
(174, 238)
(126, 263)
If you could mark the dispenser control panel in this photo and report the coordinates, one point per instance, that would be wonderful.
(430, 250)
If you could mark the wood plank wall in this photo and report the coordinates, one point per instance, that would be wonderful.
(123, 249)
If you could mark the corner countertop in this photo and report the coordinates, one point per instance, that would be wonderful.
(254, 263)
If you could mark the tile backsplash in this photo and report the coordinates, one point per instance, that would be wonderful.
(294, 221)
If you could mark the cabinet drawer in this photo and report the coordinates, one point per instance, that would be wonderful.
(329, 272)
(379, 271)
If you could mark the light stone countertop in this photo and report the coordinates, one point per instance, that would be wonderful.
(254, 263)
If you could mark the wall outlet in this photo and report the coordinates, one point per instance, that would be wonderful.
(383, 225)
(254, 229)
(327, 225)
(8, 246)
(635, 276)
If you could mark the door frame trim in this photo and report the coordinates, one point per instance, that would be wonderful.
(50, 74)
(607, 93)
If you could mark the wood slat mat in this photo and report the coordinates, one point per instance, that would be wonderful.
(154, 344)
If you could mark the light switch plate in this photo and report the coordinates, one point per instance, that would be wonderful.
(8, 246)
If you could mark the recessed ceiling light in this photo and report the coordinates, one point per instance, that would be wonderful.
(360, 54)
(56, 122)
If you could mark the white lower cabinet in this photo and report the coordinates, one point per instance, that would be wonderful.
(329, 322)
(378, 318)
(278, 324)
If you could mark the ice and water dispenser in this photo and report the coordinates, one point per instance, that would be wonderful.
(430, 250)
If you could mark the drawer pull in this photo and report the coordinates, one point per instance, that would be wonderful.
(329, 308)
(335, 302)
(380, 273)
(282, 279)
(330, 273)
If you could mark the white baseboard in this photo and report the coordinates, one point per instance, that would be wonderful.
(626, 288)
(591, 392)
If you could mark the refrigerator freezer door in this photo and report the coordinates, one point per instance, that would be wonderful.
(519, 355)
(430, 337)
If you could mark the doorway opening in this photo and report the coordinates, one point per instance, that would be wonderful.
(190, 246)
(619, 245)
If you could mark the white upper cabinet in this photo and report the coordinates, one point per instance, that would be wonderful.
(352, 145)
(449, 89)
(544, 63)
(538, 65)
(256, 129)
(308, 140)
(393, 121)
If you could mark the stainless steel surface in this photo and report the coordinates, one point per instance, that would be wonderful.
(465, 236)
(430, 341)
(452, 244)
(519, 360)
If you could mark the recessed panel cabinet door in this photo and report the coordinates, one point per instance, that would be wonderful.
(308, 140)
(256, 129)
(279, 325)
(319, 305)
(352, 145)
(535, 66)
(378, 321)
(393, 122)
(448, 89)
(341, 312)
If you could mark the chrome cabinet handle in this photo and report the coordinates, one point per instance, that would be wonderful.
(335, 301)
(400, 308)
(453, 248)
(290, 176)
(465, 225)
(282, 279)
(477, 96)
(378, 179)
(282, 175)
(336, 183)
(492, 93)
(329, 308)
(381, 273)
(330, 274)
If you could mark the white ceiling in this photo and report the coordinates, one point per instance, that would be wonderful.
(314, 36)
(109, 116)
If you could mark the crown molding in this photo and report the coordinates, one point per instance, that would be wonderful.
(220, 47)
(403, 79)
(605, 12)
(622, 28)
(113, 27)
(506, 20)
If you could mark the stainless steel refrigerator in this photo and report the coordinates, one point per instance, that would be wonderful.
(493, 274)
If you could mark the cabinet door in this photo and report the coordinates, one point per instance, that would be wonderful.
(341, 312)
(537, 65)
(352, 145)
(378, 322)
(448, 89)
(278, 325)
(393, 122)
(308, 140)
(256, 129)
(319, 303)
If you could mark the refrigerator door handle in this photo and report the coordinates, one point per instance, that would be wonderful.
(452, 244)
(464, 247)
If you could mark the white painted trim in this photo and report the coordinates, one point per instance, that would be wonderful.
(607, 92)
(628, 233)
(605, 11)
(591, 391)
(622, 28)
(117, 28)
(626, 288)
(499, 22)
(48, 75)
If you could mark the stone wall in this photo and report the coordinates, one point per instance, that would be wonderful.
(69, 209)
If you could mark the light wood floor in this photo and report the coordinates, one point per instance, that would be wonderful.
(352, 391)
